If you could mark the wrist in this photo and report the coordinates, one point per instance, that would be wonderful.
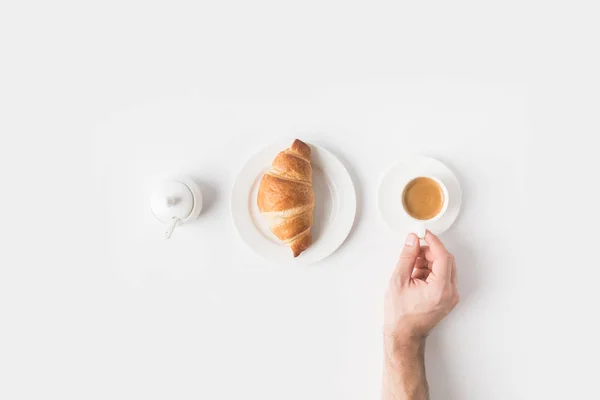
(403, 340)
(403, 335)
(402, 344)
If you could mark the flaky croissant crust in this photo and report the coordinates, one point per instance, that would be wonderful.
(286, 197)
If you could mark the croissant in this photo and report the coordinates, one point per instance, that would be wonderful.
(287, 199)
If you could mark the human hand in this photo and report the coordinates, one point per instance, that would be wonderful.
(422, 290)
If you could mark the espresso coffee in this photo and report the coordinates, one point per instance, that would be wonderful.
(423, 198)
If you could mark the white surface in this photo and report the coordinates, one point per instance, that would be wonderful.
(335, 207)
(391, 188)
(98, 98)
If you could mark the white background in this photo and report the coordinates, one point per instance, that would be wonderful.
(99, 98)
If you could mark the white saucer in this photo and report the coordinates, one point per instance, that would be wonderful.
(393, 182)
(335, 207)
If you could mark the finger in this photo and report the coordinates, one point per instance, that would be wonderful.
(421, 273)
(421, 270)
(427, 253)
(436, 246)
(453, 276)
(421, 262)
(442, 268)
(408, 258)
(425, 257)
(442, 260)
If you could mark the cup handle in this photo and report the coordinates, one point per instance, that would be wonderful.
(419, 230)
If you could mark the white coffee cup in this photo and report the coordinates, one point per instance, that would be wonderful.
(420, 225)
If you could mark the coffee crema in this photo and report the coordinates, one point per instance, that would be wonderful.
(423, 198)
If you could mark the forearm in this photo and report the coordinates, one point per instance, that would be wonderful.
(404, 370)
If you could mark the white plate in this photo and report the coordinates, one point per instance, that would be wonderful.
(393, 182)
(335, 207)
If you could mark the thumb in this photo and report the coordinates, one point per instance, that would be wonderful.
(408, 258)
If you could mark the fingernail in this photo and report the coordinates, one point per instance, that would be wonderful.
(410, 240)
